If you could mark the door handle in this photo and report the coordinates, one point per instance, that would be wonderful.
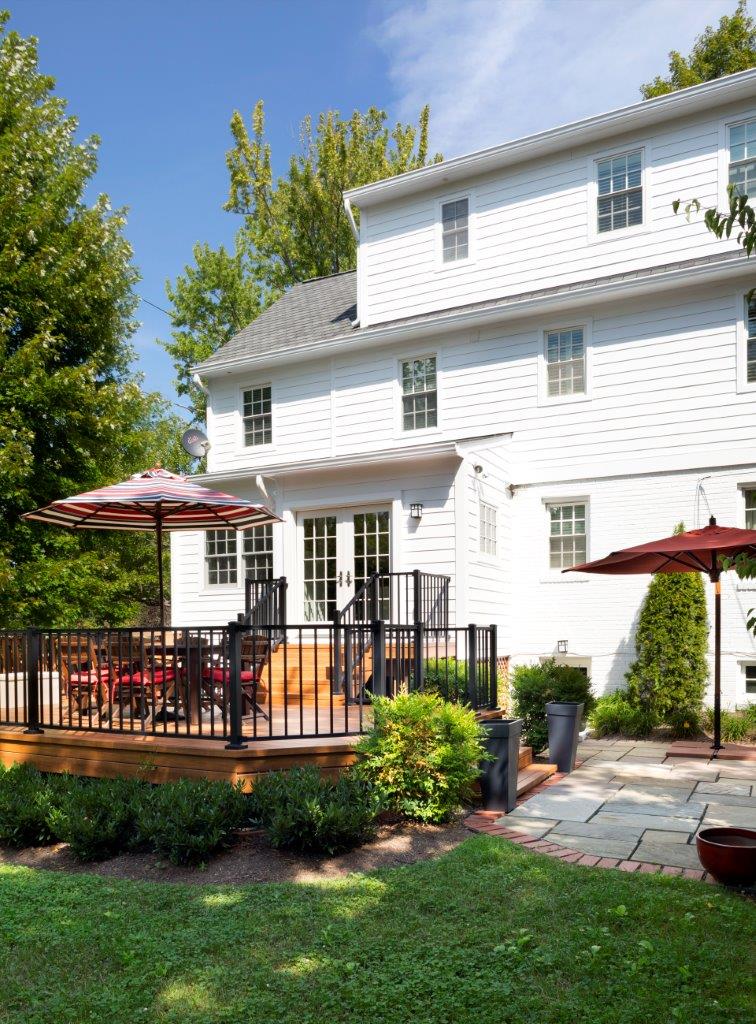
(341, 579)
(349, 578)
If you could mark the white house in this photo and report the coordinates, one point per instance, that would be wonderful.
(537, 351)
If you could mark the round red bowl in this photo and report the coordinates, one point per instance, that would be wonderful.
(729, 854)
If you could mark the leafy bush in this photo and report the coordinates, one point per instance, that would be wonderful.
(97, 817)
(187, 820)
(737, 725)
(684, 722)
(422, 755)
(614, 713)
(27, 800)
(446, 677)
(533, 686)
(302, 810)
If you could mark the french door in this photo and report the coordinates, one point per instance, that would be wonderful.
(339, 550)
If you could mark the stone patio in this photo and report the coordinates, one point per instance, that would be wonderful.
(629, 804)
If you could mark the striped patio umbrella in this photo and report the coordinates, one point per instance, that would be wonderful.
(155, 500)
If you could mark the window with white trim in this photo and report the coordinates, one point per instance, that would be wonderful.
(257, 416)
(565, 362)
(567, 534)
(750, 678)
(742, 170)
(221, 558)
(750, 508)
(455, 230)
(487, 528)
(257, 552)
(750, 341)
(419, 393)
(620, 191)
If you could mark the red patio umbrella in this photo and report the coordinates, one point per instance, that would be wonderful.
(693, 551)
(155, 500)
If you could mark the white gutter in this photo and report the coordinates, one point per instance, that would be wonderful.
(350, 218)
(620, 121)
(498, 313)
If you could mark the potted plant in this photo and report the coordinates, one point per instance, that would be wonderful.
(498, 780)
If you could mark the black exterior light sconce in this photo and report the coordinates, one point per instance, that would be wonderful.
(416, 510)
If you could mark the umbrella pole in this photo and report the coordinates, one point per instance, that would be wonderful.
(160, 571)
(717, 744)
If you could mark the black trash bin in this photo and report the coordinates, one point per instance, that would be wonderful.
(498, 781)
(564, 719)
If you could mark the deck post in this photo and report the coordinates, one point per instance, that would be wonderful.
(33, 650)
(493, 670)
(374, 612)
(419, 665)
(416, 597)
(380, 687)
(336, 670)
(472, 665)
(236, 740)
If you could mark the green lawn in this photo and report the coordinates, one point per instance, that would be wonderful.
(488, 933)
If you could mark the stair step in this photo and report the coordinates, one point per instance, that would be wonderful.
(525, 758)
(533, 775)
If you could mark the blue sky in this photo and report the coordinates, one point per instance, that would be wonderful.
(158, 81)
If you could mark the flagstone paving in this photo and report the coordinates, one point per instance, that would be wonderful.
(627, 805)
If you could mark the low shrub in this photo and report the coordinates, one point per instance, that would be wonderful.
(446, 677)
(422, 755)
(532, 686)
(301, 810)
(684, 722)
(614, 713)
(27, 800)
(187, 820)
(97, 817)
(737, 725)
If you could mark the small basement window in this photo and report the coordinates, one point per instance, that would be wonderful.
(750, 678)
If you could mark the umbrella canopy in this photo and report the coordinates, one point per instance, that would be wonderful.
(692, 551)
(154, 500)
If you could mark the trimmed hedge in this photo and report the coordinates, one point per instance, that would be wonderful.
(27, 801)
(615, 713)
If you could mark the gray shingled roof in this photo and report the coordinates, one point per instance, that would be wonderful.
(312, 311)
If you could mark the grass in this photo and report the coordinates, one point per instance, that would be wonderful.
(488, 933)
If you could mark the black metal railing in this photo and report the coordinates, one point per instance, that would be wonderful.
(237, 682)
(265, 605)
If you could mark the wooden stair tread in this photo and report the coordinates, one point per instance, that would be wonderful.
(533, 775)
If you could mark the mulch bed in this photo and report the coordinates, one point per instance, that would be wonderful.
(252, 859)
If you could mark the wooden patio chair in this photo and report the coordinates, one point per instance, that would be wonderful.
(255, 653)
(81, 673)
(141, 678)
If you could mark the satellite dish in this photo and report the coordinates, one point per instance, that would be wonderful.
(195, 443)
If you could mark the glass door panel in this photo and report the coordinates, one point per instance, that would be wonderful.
(320, 567)
(372, 552)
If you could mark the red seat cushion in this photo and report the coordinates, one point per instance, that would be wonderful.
(91, 678)
(222, 675)
(157, 678)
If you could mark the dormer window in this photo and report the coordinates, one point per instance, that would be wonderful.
(742, 174)
(620, 191)
(455, 230)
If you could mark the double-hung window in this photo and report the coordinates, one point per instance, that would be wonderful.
(487, 528)
(419, 393)
(565, 362)
(750, 508)
(257, 552)
(742, 170)
(220, 558)
(567, 535)
(750, 342)
(455, 230)
(620, 191)
(257, 416)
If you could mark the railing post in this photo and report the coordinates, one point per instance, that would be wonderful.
(236, 741)
(419, 665)
(247, 596)
(33, 650)
(374, 612)
(282, 606)
(380, 682)
(348, 663)
(417, 614)
(336, 674)
(472, 665)
(493, 670)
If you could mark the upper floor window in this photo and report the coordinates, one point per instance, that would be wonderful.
(257, 415)
(455, 239)
(750, 353)
(567, 535)
(419, 393)
(220, 557)
(257, 552)
(565, 362)
(620, 191)
(487, 529)
(742, 173)
(750, 509)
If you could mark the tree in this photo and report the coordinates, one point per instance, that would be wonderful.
(72, 414)
(294, 227)
(671, 642)
(717, 51)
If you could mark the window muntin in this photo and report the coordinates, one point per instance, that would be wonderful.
(620, 192)
(565, 362)
(742, 170)
(455, 230)
(419, 393)
(220, 557)
(750, 508)
(750, 678)
(487, 529)
(567, 536)
(257, 416)
(257, 552)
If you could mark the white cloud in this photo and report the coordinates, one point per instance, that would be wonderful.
(493, 70)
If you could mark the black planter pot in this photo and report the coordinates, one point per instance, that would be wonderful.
(563, 719)
(498, 781)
